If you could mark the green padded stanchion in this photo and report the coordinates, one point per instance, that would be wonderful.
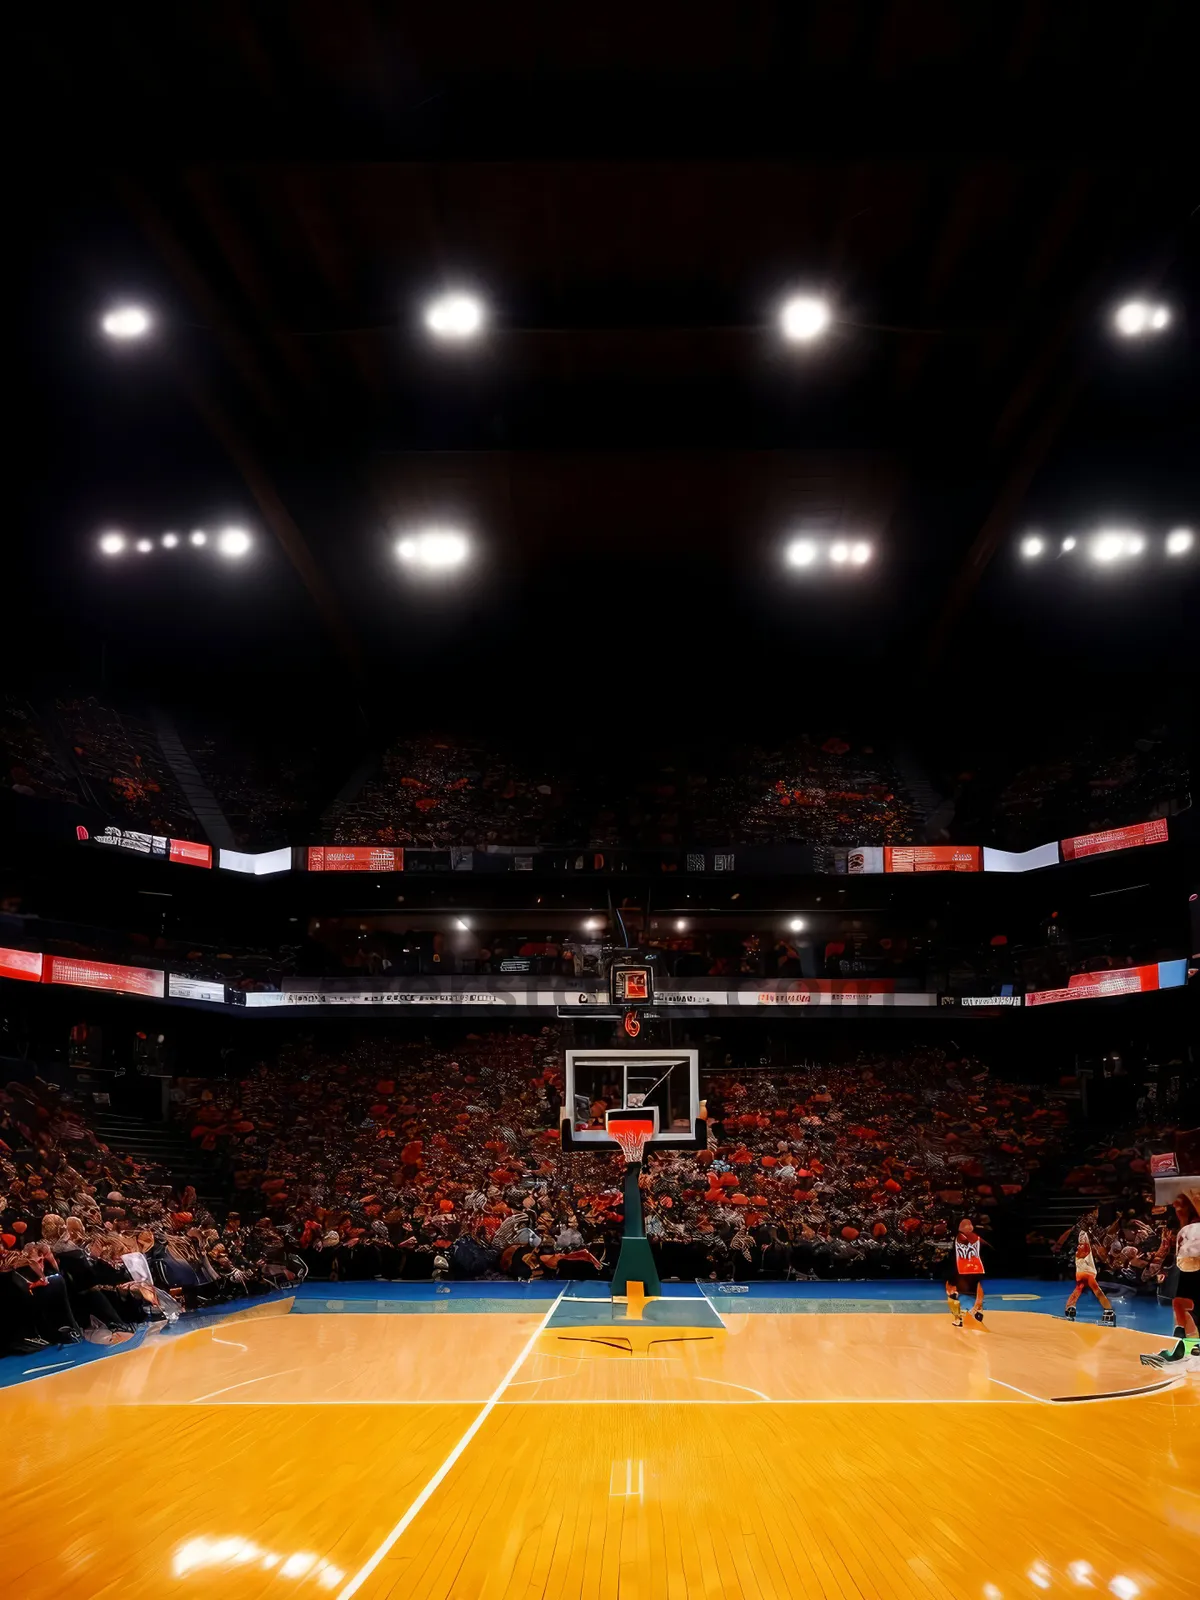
(635, 1264)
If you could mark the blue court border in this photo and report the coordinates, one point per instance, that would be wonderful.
(878, 1297)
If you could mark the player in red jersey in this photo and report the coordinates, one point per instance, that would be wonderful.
(968, 1272)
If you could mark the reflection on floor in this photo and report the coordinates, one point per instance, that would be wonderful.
(578, 1451)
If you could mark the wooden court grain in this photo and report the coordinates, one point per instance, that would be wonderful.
(831, 1456)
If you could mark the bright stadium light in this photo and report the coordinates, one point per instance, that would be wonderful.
(434, 550)
(681, 926)
(197, 537)
(112, 543)
(145, 546)
(796, 925)
(1068, 543)
(860, 554)
(170, 540)
(1134, 544)
(839, 553)
(455, 316)
(1108, 547)
(1179, 541)
(801, 553)
(462, 924)
(127, 322)
(233, 542)
(593, 925)
(1032, 547)
(1136, 318)
(803, 318)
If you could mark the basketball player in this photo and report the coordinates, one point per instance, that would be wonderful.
(968, 1272)
(1085, 1278)
(1183, 1354)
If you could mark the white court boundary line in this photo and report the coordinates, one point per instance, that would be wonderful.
(368, 1567)
(241, 1384)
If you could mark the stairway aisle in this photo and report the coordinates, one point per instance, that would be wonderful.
(167, 1145)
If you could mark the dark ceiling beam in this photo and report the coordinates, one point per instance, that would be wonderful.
(232, 436)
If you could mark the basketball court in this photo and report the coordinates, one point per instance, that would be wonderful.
(428, 1441)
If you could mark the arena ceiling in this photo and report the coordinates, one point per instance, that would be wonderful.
(633, 191)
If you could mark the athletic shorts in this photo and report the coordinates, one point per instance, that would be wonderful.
(1182, 1285)
(965, 1282)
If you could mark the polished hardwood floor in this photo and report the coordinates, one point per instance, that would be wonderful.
(432, 1456)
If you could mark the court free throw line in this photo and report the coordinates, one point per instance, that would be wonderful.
(368, 1567)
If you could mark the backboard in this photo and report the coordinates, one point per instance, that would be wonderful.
(599, 1081)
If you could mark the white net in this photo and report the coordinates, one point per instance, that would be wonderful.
(631, 1136)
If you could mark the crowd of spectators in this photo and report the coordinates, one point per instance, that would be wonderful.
(445, 792)
(118, 755)
(1115, 773)
(95, 1246)
(830, 791)
(833, 790)
(31, 765)
(419, 1160)
(435, 793)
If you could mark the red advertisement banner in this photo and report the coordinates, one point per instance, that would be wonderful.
(1095, 985)
(190, 854)
(355, 858)
(26, 964)
(1099, 844)
(104, 975)
(932, 858)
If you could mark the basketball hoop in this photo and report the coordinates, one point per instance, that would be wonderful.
(631, 1128)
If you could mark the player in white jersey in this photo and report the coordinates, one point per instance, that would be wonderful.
(1183, 1285)
(1085, 1278)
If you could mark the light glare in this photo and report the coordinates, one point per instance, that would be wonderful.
(170, 540)
(435, 549)
(112, 543)
(803, 318)
(455, 316)
(126, 322)
(797, 924)
(1069, 542)
(839, 553)
(233, 542)
(801, 553)
(197, 536)
(1179, 541)
(1136, 317)
(1124, 1588)
(1032, 547)
(1082, 1573)
(860, 554)
(145, 546)
(1108, 547)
